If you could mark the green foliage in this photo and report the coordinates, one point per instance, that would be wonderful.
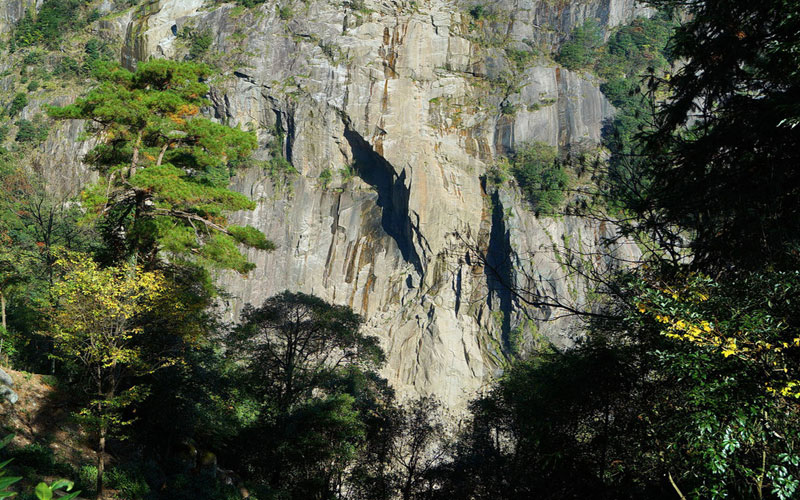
(251, 237)
(43, 491)
(507, 108)
(33, 57)
(632, 53)
(250, 3)
(520, 58)
(311, 335)
(309, 366)
(635, 48)
(178, 163)
(325, 177)
(67, 67)
(129, 483)
(348, 172)
(583, 47)
(735, 217)
(199, 42)
(48, 26)
(540, 176)
(279, 169)
(17, 104)
(478, 11)
(48, 492)
(6, 481)
(32, 223)
(33, 132)
(285, 12)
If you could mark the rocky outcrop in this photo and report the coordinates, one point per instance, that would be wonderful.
(391, 111)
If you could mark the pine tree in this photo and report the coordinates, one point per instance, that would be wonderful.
(164, 168)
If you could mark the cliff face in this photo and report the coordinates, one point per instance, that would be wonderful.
(391, 112)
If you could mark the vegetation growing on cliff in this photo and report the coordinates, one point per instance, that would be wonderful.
(686, 384)
(164, 168)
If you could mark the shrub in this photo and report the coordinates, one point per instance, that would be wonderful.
(35, 56)
(285, 12)
(325, 178)
(54, 19)
(129, 483)
(35, 131)
(508, 108)
(199, 43)
(540, 176)
(17, 104)
(520, 58)
(583, 47)
(478, 11)
(67, 66)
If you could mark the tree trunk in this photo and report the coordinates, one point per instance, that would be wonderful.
(101, 460)
(161, 154)
(3, 308)
(135, 159)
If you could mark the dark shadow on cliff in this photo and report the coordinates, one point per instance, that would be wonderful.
(392, 194)
(498, 259)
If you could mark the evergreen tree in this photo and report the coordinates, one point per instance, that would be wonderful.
(164, 168)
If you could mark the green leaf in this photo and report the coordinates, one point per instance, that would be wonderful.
(43, 492)
(62, 483)
(5, 482)
(7, 494)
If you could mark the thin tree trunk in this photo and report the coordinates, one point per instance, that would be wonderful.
(3, 308)
(135, 159)
(161, 154)
(675, 486)
(101, 460)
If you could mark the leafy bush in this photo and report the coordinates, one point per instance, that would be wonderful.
(478, 11)
(87, 479)
(250, 3)
(129, 483)
(17, 104)
(67, 66)
(582, 49)
(520, 58)
(35, 131)
(250, 236)
(285, 12)
(35, 56)
(199, 42)
(48, 27)
(508, 108)
(95, 51)
(325, 178)
(540, 176)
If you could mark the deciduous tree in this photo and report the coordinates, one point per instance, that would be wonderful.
(94, 322)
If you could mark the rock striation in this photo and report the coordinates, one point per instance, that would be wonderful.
(391, 111)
